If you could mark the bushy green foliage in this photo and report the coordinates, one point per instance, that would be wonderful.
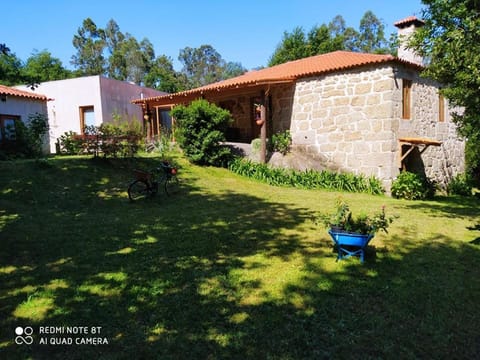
(344, 220)
(70, 143)
(29, 138)
(460, 185)
(449, 40)
(201, 128)
(411, 186)
(121, 138)
(472, 158)
(281, 142)
(308, 179)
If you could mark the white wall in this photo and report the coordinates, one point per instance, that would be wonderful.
(23, 107)
(107, 96)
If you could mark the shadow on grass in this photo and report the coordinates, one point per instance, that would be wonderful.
(188, 277)
(454, 206)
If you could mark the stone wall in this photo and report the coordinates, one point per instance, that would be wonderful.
(438, 163)
(351, 121)
(347, 118)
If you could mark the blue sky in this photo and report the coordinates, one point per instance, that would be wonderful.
(244, 31)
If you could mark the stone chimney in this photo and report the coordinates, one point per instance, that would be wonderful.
(406, 28)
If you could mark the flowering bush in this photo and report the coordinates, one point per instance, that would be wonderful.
(342, 219)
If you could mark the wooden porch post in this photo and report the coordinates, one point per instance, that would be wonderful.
(263, 130)
(147, 122)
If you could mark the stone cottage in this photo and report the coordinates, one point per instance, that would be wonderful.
(353, 112)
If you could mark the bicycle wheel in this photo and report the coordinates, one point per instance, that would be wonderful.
(171, 185)
(137, 190)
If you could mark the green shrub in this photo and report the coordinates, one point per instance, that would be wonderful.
(411, 186)
(281, 142)
(308, 179)
(460, 185)
(110, 139)
(201, 128)
(30, 137)
(70, 144)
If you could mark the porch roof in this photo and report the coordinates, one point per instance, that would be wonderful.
(6, 90)
(283, 73)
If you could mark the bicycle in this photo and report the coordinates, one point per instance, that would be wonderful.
(145, 183)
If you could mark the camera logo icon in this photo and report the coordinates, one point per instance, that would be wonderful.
(24, 335)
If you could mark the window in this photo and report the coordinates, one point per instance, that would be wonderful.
(441, 108)
(406, 98)
(87, 117)
(7, 128)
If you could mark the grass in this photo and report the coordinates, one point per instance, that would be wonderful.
(227, 268)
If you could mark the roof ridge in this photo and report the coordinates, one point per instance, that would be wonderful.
(339, 60)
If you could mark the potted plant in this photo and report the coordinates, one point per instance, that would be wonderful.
(351, 234)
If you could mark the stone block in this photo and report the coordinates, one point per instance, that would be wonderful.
(341, 101)
(333, 93)
(383, 85)
(357, 100)
(303, 125)
(363, 88)
(299, 116)
(307, 99)
(353, 136)
(328, 148)
(340, 110)
(364, 125)
(381, 111)
(318, 114)
(303, 137)
(336, 137)
(361, 147)
(374, 99)
(377, 159)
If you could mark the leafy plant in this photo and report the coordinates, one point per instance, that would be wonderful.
(201, 128)
(342, 219)
(460, 185)
(308, 179)
(70, 144)
(281, 142)
(30, 137)
(411, 186)
(110, 139)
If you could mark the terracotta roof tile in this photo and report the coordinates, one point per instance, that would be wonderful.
(409, 20)
(6, 90)
(290, 71)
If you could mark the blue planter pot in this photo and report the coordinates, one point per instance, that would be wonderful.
(350, 244)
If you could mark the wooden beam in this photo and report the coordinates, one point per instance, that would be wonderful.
(263, 131)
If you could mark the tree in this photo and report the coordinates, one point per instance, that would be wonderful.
(90, 43)
(10, 67)
(116, 62)
(293, 46)
(450, 40)
(334, 36)
(371, 37)
(232, 69)
(202, 66)
(162, 76)
(347, 36)
(320, 41)
(41, 66)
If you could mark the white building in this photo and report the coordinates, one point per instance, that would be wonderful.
(91, 100)
(15, 106)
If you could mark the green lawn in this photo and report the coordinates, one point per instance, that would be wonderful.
(227, 268)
